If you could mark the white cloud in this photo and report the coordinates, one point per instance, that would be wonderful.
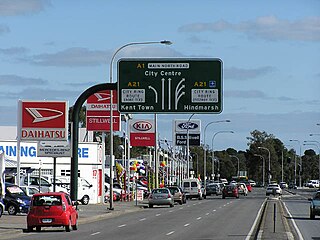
(14, 80)
(20, 7)
(268, 27)
(245, 74)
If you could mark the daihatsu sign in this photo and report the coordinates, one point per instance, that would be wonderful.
(43, 120)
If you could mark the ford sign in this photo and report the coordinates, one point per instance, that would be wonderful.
(188, 125)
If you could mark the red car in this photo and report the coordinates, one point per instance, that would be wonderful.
(230, 191)
(52, 209)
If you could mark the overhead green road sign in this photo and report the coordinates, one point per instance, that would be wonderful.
(170, 85)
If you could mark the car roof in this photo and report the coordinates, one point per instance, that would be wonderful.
(49, 194)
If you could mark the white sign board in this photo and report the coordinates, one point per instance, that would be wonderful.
(54, 149)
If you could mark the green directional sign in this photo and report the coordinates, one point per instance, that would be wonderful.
(170, 85)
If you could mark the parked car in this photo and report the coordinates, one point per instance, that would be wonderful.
(192, 188)
(242, 189)
(315, 205)
(53, 209)
(273, 189)
(178, 194)
(160, 196)
(313, 184)
(230, 191)
(29, 190)
(2, 207)
(15, 200)
(213, 189)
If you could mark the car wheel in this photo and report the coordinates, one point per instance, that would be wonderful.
(181, 202)
(223, 197)
(237, 196)
(150, 206)
(68, 227)
(75, 227)
(12, 210)
(85, 200)
(1, 211)
(38, 229)
(312, 216)
(29, 228)
(172, 205)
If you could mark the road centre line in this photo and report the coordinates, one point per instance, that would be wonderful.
(214, 210)
(207, 213)
(142, 219)
(96, 233)
(123, 225)
(198, 218)
(186, 225)
(158, 214)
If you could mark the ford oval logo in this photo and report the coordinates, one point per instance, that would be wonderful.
(142, 126)
(188, 125)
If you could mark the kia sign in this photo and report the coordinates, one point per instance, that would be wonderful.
(98, 112)
(43, 120)
(142, 133)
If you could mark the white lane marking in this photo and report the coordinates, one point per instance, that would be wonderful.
(186, 225)
(96, 233)
(224, 205)
(255, 221)
(123, 225)
(214, 210)
(194, 204)
(198, 218)
(207, 213)
(294, 223)
(142, 219)
(169, 233)
(181, 208)
(157, 215)
(171, 211)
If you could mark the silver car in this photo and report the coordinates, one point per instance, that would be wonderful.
(160, 196)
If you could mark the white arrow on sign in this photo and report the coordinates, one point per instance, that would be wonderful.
(155, 93)
(179, 93)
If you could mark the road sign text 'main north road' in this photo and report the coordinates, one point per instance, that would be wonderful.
(170, 85)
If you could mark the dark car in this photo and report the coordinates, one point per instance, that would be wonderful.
(213, 189)
(53, 209)
(230, 191)
(178, 194)
(315, 205)
(1, 207)
(16, 200)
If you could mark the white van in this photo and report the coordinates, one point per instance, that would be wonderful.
(192, 188)
(85, 189)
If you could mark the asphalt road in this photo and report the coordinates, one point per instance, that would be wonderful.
(298, 207)
(211, 218)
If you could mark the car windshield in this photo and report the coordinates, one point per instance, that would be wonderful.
(47, 200)
(15, 190)
(160, 191)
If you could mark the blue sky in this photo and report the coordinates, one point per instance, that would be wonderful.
(57, 49)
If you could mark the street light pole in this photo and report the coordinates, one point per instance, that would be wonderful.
(214, 135)
(205, 150)
(187, 154)
(263, 168)
(238, 164)
(111, 109)
(300, 169)
(269, 171)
